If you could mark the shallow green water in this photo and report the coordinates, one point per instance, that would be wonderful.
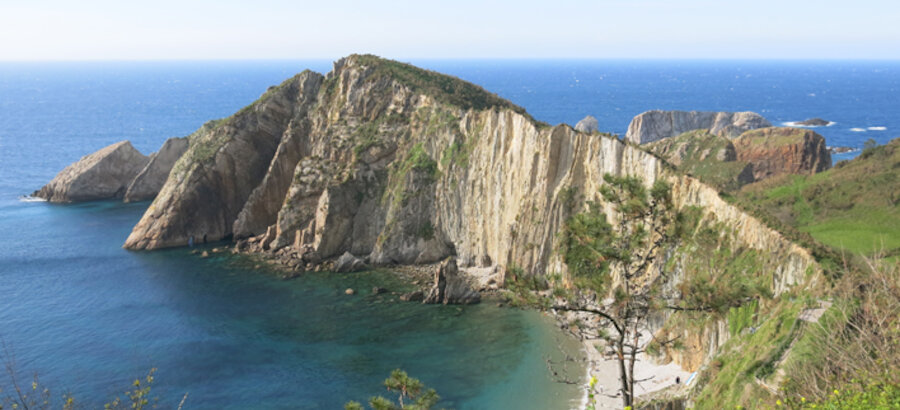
(89, 317)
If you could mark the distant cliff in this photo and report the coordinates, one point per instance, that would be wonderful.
(655, 125)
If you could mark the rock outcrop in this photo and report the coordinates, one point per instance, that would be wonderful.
(405, 166)
(105, 174)
(814, 122)
(710, 157)
(451, 288)
(150, 180)
(588, 124)
(348, 263)
(779, 150)
(655, 125)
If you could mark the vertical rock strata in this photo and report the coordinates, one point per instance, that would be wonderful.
(408, 166)
(150, 180)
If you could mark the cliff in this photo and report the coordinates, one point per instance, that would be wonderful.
(777, 150)
(104, 174)
(655, 125)
(405, 166)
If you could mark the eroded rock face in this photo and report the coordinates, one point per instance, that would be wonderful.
(781, 150)
(655, 125)
(588, 124)
(105, 174)
(390, 168)
(150, 180)
(450, 288)
(225, 162)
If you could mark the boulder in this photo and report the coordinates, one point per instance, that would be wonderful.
(150, 180)
(416, 296)
(782, 150)
(655, 125)
(450, 288)
(348, 263)
(588, 125)
(105, 174)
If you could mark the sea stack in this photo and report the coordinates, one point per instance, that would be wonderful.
(655, 125)
(105, 174)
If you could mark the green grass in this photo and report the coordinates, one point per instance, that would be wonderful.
(851, 208)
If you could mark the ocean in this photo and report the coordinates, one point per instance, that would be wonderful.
(89, 317)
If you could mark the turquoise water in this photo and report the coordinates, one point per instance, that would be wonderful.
(90, 317)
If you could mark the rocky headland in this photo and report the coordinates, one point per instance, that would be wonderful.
(380, 163)
(655, 125)
(117, 171)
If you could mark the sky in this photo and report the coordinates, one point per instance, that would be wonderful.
(465, 29)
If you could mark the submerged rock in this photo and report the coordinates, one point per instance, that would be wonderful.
(415, 296)
(588, 125)
(655, 125)
(105, 174)
(451, 288)
(152, 177)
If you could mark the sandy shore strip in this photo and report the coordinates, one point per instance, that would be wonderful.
(606, 370)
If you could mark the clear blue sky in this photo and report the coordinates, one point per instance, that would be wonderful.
(416, 29)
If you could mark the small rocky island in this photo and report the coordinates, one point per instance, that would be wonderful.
(814, 122)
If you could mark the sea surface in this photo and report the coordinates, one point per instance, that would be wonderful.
(89, 317)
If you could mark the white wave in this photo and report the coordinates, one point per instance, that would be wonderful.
(31, 199)
(858, 129)
(877, 128)
(797, 124)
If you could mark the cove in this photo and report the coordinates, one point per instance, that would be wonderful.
(89, 317)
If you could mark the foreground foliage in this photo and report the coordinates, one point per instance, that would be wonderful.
(412, 395)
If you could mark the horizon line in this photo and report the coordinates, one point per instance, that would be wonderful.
(408, 59)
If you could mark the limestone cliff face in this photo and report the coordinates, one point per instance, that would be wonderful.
(778, 150)
(655, 125)
(150, 180)
(105, 174)
(403, 166)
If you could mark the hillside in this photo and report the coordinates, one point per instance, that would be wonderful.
(854, 206)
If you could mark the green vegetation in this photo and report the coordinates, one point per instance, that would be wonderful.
(852, 207)
(446, 89)
(709, 157)
(773, 136)
(591, 245)
(407, 388)
(35, 395)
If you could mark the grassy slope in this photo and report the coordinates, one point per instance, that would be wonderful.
(852, 207)
(698, 151)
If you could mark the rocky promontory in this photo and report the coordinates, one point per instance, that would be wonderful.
(781, 150)
(655, 125)
(148, 182)
(104, 174)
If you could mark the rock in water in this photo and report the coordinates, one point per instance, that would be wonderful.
(588, 125)
(151, 179)
(655, 125)
(814, 122)
(781, 150)
(450, 288)
(105, 174)
(348, 263)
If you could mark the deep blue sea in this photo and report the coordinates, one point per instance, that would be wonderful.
(89, 317)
